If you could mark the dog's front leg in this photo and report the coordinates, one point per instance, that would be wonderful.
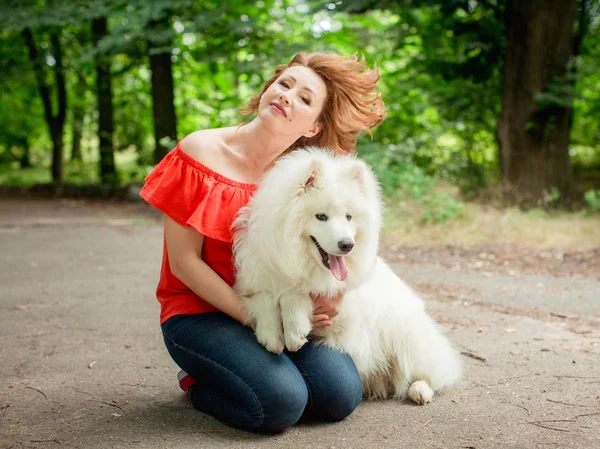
(262, 308)
(296, 314)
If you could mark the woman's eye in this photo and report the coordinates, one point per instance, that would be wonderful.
(348, 217)
(321, 217)
(284, 84)
(306, 100)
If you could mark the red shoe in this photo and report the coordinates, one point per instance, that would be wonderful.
(185, 381)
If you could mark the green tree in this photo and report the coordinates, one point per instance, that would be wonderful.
(54, 120)
(531, 44)
(104, 94)
(160, 45)
(533, 128)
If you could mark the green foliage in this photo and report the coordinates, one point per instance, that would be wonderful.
(77, 172)
(401, 179)
(560, 93)
(441, 66)
(441, 207)
(592, 200)
(11, 175)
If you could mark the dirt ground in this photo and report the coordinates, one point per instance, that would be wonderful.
(82, 363)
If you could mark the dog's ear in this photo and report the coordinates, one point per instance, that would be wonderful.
(358, 172)
(312, 178)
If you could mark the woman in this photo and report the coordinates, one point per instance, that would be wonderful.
(316, 99)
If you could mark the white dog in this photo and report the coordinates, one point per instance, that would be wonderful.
(313, 227)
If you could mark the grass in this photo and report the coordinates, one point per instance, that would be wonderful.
(483, 224)
(433, 217)
(75, 172)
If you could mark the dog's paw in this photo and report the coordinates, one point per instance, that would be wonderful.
(271, 341)
(295, 342)
(420, 392)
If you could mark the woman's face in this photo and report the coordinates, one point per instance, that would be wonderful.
(292, 104)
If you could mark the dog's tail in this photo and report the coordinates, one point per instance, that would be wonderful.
(448, 369)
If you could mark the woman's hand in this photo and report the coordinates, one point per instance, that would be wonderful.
(325, 308)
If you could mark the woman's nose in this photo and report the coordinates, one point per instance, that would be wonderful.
(284, 98)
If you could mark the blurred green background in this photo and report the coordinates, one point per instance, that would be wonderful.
(491, 102)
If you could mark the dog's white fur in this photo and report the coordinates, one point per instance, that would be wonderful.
(398, 349)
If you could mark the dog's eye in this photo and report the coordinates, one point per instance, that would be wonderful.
(348, 217)
(321, 217)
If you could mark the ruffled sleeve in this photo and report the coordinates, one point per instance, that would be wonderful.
(194, 195)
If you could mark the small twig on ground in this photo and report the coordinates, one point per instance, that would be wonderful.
(108, 403)
(520, 406)
(39, 391)
(564, 420)
(577, 377)
(70, 328)
(44, 441)
(539, 424)
(139, 384)
(480, 385)
(80, 391)
(424, 425)
(474, 356)
(504, 380)
(585, 414)
(208, 435)
(566, 403)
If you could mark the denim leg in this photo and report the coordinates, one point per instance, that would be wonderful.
(334, 385)
(239, 382)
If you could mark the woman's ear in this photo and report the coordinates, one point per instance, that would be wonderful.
(316, 129)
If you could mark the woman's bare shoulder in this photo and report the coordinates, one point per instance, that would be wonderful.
(203, 145)
(209, 147)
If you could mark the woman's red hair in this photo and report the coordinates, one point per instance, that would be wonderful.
(352, 105)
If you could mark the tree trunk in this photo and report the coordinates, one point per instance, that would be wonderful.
(78, 117)
(25, 161)
(108, 172)
(534, 142)
(163, 105)
(56, 123)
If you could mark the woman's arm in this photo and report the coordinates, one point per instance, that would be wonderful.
(184, 248)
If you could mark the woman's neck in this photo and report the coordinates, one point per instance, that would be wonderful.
(258, 145)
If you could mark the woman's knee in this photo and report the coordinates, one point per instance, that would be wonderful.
(343, 398)
(282, 405)
(335, 385)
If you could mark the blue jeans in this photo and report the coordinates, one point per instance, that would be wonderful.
(243, 385)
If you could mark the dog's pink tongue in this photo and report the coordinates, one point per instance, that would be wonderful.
(338, 267)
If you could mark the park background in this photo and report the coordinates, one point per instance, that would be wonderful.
(493, 125)
(489, 160)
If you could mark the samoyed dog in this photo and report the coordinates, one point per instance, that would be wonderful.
(313, 227)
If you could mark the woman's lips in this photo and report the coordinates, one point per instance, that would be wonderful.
(279, 108)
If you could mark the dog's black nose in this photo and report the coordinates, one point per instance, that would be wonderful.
(346, 245)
